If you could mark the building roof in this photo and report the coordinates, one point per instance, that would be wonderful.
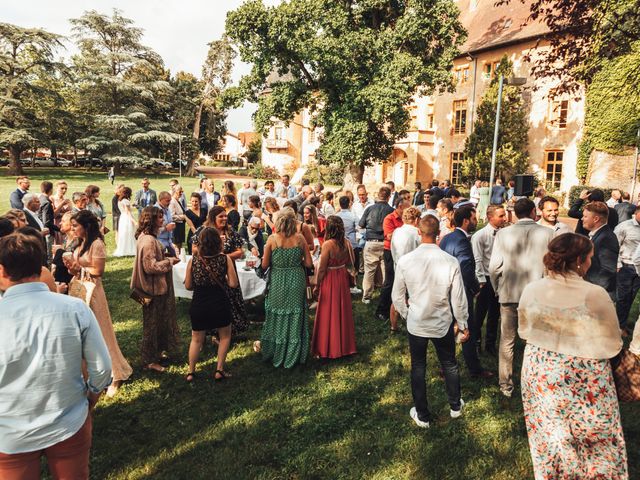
(490, 27)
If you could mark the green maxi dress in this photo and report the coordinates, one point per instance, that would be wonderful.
(285, 334)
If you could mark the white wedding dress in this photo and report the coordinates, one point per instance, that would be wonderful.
(126, 231)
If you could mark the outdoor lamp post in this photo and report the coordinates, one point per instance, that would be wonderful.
(516, 81)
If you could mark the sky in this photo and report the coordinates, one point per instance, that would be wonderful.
(178, 30)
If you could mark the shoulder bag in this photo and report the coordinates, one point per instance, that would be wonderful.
(626, 375)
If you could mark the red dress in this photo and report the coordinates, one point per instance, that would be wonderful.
(333, 330)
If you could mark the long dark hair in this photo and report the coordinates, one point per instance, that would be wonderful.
(211, 219)
(91, 226)
(147, 221)
(335, 231)
(209, 242)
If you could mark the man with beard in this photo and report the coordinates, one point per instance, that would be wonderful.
(550, 208)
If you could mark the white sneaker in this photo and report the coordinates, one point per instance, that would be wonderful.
(355, 291)
(414, 415)
(457, 413)
(366, 301)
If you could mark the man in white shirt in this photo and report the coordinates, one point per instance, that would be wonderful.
(614, 199)
(360, 203)
(430, 314)
(627, 281)
(487, 301)
(245, 192)
(550, 210)
(474, 193)
(431, 206)
(406, 238)
(393, 198)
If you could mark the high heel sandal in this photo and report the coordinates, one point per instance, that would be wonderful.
(223, 375)
(191, 376)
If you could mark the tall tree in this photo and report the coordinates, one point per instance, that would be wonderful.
(209, 125)
(24, 54)
(355, 64)
(122, 83)
(512, 155)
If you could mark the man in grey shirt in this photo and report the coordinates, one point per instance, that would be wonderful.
(627, 281)
(45, 403)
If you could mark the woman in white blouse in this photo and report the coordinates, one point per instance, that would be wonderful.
(568, 394)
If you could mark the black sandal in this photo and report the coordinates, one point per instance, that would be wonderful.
(191, 376)
(223, 375)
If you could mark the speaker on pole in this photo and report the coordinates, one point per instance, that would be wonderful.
(524, 185)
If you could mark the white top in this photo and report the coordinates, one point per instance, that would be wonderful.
(474, 195)
(628, 233)
(558, 229)
(611, 202)
(404, 239)
(328, 209)
(482, 244)
(358, 209)
(432, 279)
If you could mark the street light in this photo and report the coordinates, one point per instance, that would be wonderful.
(516, 81)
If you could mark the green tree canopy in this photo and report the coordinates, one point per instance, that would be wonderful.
(26, 54)
(512, 156)
(355, 64)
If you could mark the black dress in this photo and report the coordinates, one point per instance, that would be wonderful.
(197, 222)
(210, 307)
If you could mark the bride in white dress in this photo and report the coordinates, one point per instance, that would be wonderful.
(126, 239)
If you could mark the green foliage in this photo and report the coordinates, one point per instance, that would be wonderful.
(574, 192)
(260, 171)
(355, 65)
(328, 174)
(612, 114)
(26, 56)
(254, 151)
(584, 155)
(512, 156)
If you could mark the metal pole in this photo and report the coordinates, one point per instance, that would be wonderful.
(495, 134)
(635, 169)
(180, 154)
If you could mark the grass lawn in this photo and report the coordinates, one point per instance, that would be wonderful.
(346, 419)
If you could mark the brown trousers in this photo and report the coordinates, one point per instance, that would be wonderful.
(68, 460)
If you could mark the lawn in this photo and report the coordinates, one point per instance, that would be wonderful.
(346, 419)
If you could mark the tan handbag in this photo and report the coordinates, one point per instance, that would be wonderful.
(626, 374)
(82, 287)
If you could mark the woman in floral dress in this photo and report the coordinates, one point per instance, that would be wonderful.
(568, 394)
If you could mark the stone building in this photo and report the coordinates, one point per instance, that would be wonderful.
(434, 144)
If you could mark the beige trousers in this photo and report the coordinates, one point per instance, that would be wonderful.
(508, 332)
(373, 260)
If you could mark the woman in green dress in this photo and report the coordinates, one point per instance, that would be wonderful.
(484, 201)
(285, 334)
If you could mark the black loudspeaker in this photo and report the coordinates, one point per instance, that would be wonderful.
(524, 185)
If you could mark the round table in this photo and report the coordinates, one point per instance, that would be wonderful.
(251, 285)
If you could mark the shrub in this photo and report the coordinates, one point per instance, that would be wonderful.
(260, 171)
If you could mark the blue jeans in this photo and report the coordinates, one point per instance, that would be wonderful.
(446, 351)
(627, 286)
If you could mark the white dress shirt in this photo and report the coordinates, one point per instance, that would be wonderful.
(404, 240)
(358, 209)
(482, 244)
(628, 233)
(433, 282)
(558, 229)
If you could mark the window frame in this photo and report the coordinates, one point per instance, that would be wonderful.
(460, 129)
(553, 177)
(455, 165)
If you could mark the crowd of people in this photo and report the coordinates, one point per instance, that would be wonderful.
(524, 273)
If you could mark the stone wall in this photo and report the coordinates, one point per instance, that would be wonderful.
(612, 171)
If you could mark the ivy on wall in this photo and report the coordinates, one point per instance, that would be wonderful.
(612, 115)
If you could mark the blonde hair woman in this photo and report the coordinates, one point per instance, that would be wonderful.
(285, 335)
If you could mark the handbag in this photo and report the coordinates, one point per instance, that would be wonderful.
(352, 272)
(140, 297)
(82, 287)
(626, 375)
(264, 274)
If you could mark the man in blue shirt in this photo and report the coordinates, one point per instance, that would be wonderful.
(165, 235)
(45, 402)
(350, 227)
(498, 193)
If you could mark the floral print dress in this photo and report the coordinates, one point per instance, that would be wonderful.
(572, 417)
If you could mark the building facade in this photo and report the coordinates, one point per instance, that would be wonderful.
(440, 124)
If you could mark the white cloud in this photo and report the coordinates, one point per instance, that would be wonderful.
(179, 30)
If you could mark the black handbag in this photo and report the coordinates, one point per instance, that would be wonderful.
(264, 274)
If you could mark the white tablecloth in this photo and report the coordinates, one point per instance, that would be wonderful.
(251, 285)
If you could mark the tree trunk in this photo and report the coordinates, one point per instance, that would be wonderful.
(191, 170)
(191, 167)
(15, 167)
(353, 176)
(117, 167)
(54, 154)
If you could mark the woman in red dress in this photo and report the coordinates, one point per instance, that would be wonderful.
(333, 331)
